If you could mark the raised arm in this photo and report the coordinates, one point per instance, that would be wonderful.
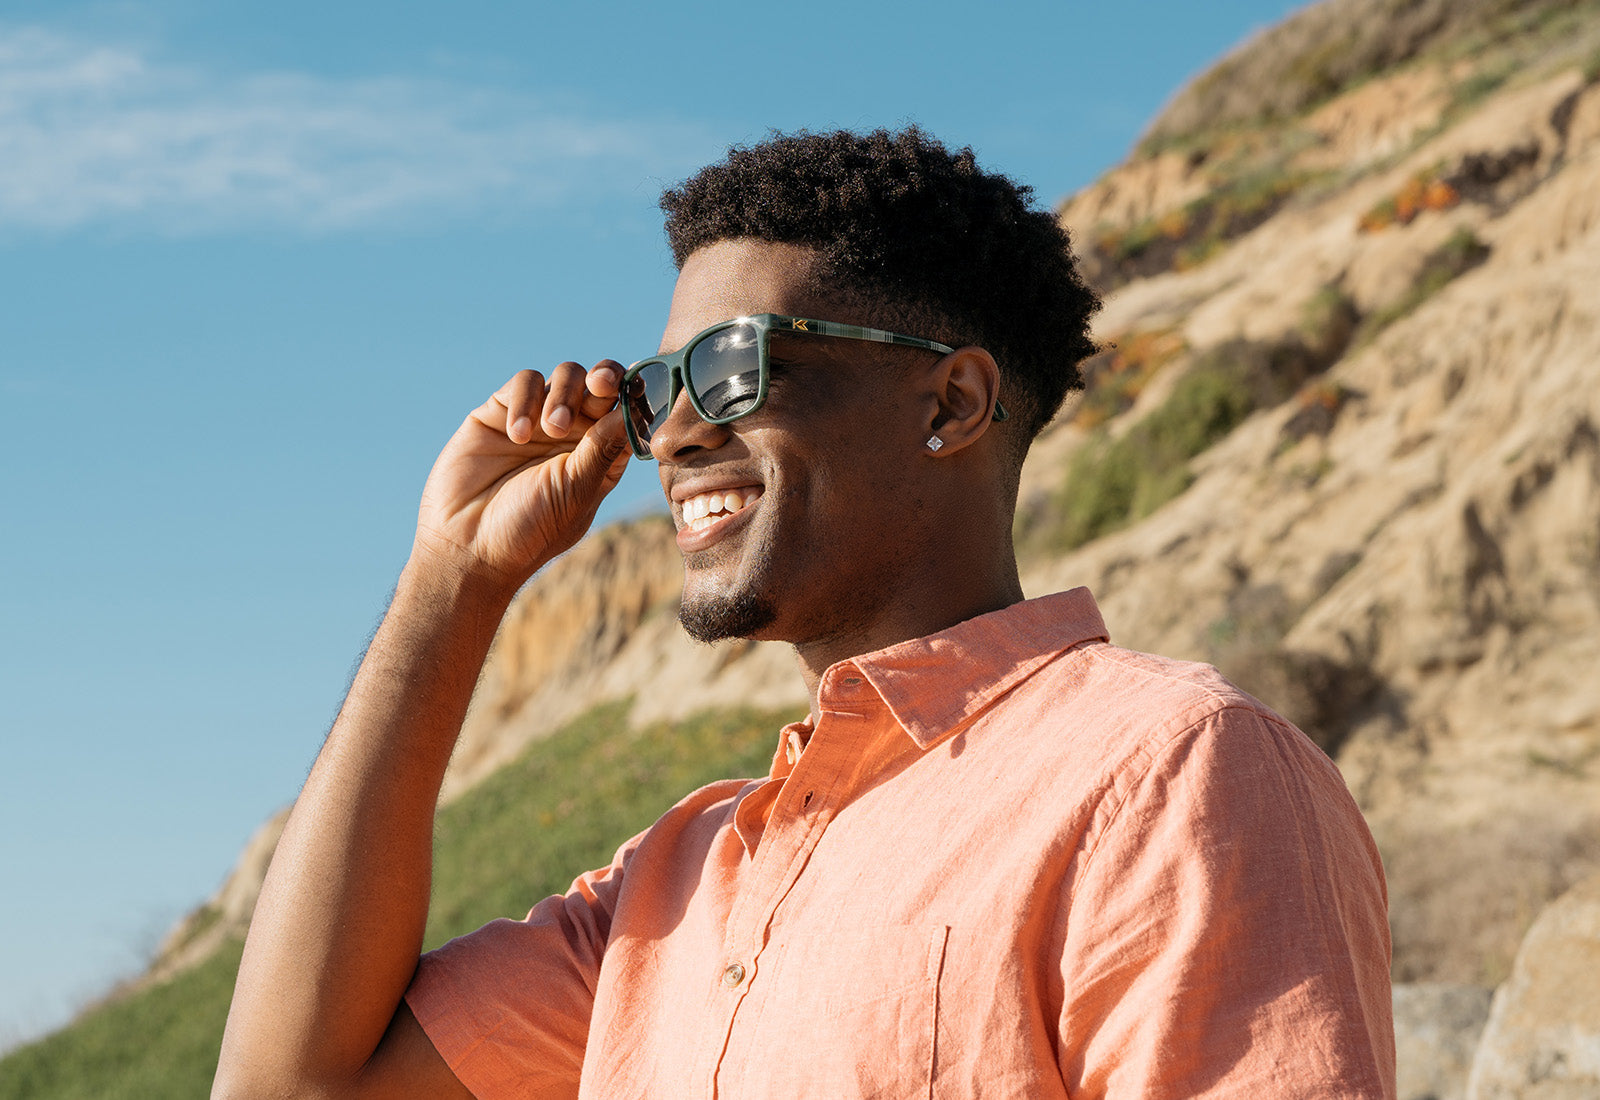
(338, 929)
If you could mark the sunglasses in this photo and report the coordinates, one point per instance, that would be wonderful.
(726, 370)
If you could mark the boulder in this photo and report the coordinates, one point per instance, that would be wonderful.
(1543, 1037)
(1436, 1030)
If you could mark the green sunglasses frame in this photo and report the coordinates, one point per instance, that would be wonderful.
(765, 324)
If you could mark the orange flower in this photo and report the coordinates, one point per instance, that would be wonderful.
(1408, 201)
(1440, 196)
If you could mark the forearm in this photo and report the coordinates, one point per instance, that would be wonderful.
(338, 929)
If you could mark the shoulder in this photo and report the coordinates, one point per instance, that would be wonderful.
(714, 800)
(1149, 734)
(1123, 708)
(1184, 748)
(1177, 692)
(695, 820)
(1191, 707)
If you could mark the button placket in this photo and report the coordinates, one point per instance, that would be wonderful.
(777, 861)
(800, 818)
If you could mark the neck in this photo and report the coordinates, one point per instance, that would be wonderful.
(920, 611)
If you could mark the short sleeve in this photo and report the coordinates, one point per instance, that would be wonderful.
(508, 1006)
(1227, 933)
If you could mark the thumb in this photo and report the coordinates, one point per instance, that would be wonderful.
(599, 458)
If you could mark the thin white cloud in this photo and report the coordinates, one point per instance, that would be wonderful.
(94, 133)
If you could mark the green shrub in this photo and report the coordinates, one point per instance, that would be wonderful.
(1328, 321)
(1135, 240)
(1246, 195)
(1591, 67)
(1113, 482)
(1116, 375)
(1462, 252)
(1478, 86)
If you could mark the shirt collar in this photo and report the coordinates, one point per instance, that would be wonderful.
(935, 685)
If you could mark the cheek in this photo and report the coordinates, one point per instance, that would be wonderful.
(862, 489)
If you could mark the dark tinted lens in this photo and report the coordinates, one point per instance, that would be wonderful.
(725, 371)
(648, 398)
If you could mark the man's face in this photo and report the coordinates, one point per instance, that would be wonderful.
(822, 520)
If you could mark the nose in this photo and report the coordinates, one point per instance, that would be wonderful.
(683, 432)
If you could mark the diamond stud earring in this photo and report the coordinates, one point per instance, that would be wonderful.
(934, 443)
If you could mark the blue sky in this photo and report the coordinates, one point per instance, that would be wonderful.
(257, 261)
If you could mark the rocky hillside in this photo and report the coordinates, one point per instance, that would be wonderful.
(1400, 541)
(1343, 440)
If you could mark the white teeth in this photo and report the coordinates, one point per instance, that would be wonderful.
(700, 512)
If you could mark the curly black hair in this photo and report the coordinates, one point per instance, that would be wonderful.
(920, 236)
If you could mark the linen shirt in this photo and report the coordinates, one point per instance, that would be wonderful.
(1012, 860)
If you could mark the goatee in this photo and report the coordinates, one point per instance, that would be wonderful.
(713, 618)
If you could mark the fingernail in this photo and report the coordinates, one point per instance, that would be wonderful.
(561, 418)
(521, 429)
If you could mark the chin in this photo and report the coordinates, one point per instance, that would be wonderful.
(728, 615)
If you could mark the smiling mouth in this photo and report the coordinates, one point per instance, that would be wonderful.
(705, 509)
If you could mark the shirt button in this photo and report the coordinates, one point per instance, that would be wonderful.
(733, 975)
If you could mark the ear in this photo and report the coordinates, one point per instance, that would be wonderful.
(967, 385)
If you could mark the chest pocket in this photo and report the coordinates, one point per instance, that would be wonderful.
(854, 1013)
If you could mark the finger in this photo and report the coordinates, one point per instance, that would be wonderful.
(562, 399)
(605, 378)
(522, 396)
(600, 388)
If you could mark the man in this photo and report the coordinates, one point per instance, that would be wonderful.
(1001, 857)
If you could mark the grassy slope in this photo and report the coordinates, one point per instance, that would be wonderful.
(157, 1044)
(525, 832)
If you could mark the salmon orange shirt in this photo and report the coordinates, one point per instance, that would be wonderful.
(1008, 860)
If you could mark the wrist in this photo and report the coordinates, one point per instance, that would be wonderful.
(446, 579)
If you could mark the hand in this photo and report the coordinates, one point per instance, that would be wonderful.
(521, 478)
